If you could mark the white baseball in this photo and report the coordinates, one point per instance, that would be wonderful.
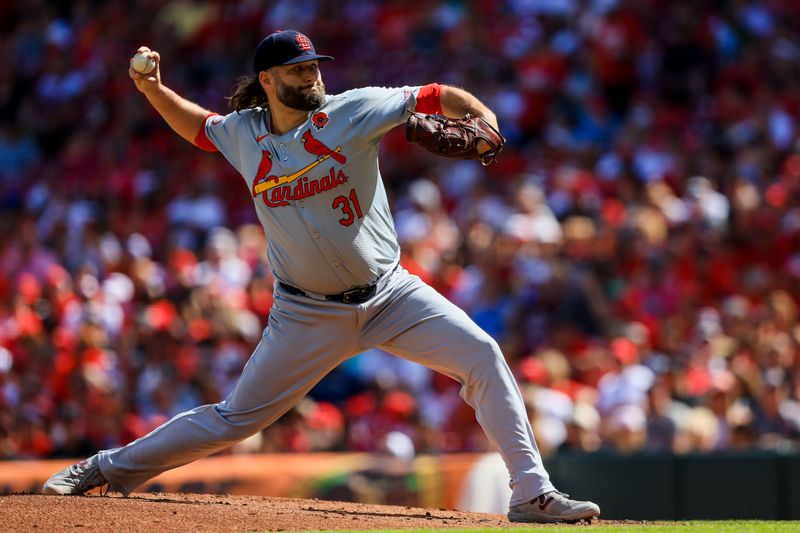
(143, 63)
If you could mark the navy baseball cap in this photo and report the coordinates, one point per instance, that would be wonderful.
(285, 47)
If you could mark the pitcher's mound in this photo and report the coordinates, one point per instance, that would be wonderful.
(203, 512)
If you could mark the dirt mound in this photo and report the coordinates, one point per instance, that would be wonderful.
(203, 512)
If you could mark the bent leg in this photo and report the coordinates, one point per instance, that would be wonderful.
(419, 324)
(304, 341)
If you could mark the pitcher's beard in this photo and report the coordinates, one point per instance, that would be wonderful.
(297, 99)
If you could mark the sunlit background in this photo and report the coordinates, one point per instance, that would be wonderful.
(635, 250)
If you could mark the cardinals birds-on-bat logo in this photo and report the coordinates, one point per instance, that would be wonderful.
(316, 147)
(320, 120)
(264, 181)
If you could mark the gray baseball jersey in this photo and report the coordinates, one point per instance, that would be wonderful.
(319, 195)
(317, 188)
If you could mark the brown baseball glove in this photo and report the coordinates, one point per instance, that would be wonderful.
(454, 138)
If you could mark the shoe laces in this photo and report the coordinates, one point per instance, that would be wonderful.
(544, 500)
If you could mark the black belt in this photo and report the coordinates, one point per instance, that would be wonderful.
(359, 295)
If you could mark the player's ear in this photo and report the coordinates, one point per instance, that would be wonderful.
(265, 78)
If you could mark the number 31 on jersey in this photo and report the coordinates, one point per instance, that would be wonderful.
(348, 204)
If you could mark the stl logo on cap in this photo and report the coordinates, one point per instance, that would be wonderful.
(320, 120)
(302, 42)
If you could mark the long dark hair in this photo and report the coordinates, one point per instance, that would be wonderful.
(247, 93)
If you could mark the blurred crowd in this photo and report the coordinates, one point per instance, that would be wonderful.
(635, 251)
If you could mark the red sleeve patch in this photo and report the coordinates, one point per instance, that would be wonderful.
(428, 99)
(202, 140)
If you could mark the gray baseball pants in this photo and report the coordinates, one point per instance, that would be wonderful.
(306, 338)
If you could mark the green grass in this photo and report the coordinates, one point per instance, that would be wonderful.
(699, 526)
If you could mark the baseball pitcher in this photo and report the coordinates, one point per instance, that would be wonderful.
(310, 162)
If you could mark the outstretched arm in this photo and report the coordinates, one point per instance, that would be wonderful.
(457, 102)
(183, 116)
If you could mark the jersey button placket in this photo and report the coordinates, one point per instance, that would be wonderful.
(335, 264)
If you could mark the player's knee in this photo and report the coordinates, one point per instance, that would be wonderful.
(486, 355)
(233, 427)
(488, 346)
(236, 432)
